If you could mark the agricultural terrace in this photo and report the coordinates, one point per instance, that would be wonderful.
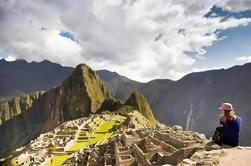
(96, 130)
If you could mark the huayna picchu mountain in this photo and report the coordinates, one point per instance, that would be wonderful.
(80, 95)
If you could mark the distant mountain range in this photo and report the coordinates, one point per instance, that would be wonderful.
(20, 77)
(192, 101)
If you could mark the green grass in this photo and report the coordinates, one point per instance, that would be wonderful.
(105, 127)
(13, 162)
(58, 160)
(104, 131)
(52, 149)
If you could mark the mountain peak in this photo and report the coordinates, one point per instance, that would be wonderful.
(80, 94)
(139, 102)
(2, 60)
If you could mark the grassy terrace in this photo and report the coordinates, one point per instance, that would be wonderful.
(104, 130)
(58, 160)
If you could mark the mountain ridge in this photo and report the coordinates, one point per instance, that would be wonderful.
(193, 97)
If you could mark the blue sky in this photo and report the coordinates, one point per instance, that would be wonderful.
(140, 39)
(237, 43)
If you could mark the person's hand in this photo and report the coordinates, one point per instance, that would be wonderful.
(221, 122)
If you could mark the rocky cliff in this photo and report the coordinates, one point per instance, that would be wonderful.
(139, 102)
(17, 105)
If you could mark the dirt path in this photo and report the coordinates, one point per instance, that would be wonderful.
(236, 157)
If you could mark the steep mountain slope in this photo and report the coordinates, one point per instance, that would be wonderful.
(17, 105)
(193, 101)
(80, 95)
(138, 102)
(20, 77)
(155, 90)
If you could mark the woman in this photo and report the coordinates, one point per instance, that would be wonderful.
(231, 124)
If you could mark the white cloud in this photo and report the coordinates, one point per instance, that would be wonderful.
(235, 5)
(10, 58)
(245, 59)
(114, 34)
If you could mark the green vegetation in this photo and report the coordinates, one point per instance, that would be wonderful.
(14, 162)
(124, 110)
(67, 132)
(52, 149)
(95, 88)
(58, 160)
(17, 105)
(102, 131)
(139, 102)
(85, 78)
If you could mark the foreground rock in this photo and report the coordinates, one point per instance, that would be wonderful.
(222, 156)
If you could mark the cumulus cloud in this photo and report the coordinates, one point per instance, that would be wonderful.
(139, 39)
(235, 5)
(245, 59)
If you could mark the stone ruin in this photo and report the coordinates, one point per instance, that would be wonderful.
(143, 147)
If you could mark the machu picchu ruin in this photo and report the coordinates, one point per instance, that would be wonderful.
(107, 139)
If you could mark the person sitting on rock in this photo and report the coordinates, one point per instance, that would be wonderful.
(231, 124)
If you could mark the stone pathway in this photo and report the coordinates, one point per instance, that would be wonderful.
(72, 142)
(236, 157)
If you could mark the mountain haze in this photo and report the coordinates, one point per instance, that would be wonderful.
(20, 77)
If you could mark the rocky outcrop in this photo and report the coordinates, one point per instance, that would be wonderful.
(139, 102)
(136, 102)
(135, 120)
(17, 105)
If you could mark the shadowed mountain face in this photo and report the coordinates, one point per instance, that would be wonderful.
(20, 77)
(193, 101)
(119, 86)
